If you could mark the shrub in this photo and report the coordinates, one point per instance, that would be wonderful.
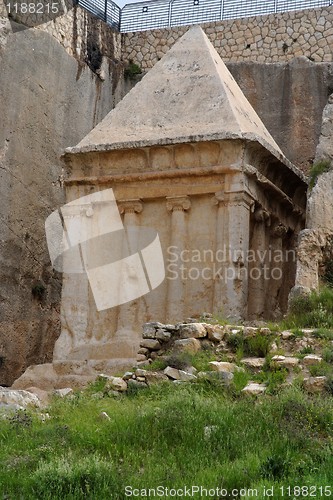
(317, 169)
(132, 70)
(313, 310)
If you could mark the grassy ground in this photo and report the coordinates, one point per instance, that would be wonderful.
(157, 437)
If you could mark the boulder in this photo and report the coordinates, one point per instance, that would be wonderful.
(223, 366)
(216, 333)
(254, 389)
(155, 377)
(286, 361)
(190, 346)
(151, 344)
(255, 363)
(163, 335)
(315, 384)
(172, 373)
(192, 330)
(63, 392)
(115, 384)
(186, 376)
(18, 398)
(312, 359)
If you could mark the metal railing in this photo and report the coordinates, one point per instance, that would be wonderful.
(156, 14)
(106, 10)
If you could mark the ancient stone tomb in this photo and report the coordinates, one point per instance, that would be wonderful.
(186, 155)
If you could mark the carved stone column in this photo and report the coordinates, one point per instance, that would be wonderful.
(219, 299)
(236, 235)
(127, 317)
(177, 206)
(258, 264)
(278, 232)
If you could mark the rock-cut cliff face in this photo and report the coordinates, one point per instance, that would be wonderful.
(48, 100)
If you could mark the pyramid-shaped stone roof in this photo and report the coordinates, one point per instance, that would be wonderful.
(188, 96)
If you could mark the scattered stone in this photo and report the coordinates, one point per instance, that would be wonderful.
(163, 335)
(141, 379)
(315, 384)
(115, 384)
(148, 332)
(136, 384)
(187, 345)
(192, 330)
(42, 395)
(104, 416)
(155, 378)
(223, 366)
(143, 363)
(172, 373)
(141, 357)
(19, 398)
(186, 377)
(63, 392)
(274, 347)
(307, 331)
(265, 331)
(256, 363)
(216, 333)
(143, 350)
(128, 375)
(103, 378)
(312, 359)
(286, 335)
(287, 361)
(254, 389)
(250, 331)
(140, 373)
(224, 377)
(151, 344)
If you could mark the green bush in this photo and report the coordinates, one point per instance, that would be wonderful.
(132, 70)
(317, 169)
(257, 345)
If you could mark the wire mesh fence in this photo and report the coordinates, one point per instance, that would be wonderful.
(154, 14)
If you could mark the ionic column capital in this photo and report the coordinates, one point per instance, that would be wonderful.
(279, 230)
(178, 203)
(130, 206)
(262, 216)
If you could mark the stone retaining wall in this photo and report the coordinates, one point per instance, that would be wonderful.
(266, 39)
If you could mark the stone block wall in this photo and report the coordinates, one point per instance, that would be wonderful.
(266, 39)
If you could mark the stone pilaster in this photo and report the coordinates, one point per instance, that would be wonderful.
(130, 209)
(258, 264)
(236, 235)
(277, 234)
(177, 206)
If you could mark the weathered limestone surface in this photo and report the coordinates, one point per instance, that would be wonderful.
(315, 242)
(48, 100)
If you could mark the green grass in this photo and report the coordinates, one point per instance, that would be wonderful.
(311, 311)
(157, 437)
(256, 345)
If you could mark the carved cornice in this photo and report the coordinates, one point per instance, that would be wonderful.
(178, 203)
